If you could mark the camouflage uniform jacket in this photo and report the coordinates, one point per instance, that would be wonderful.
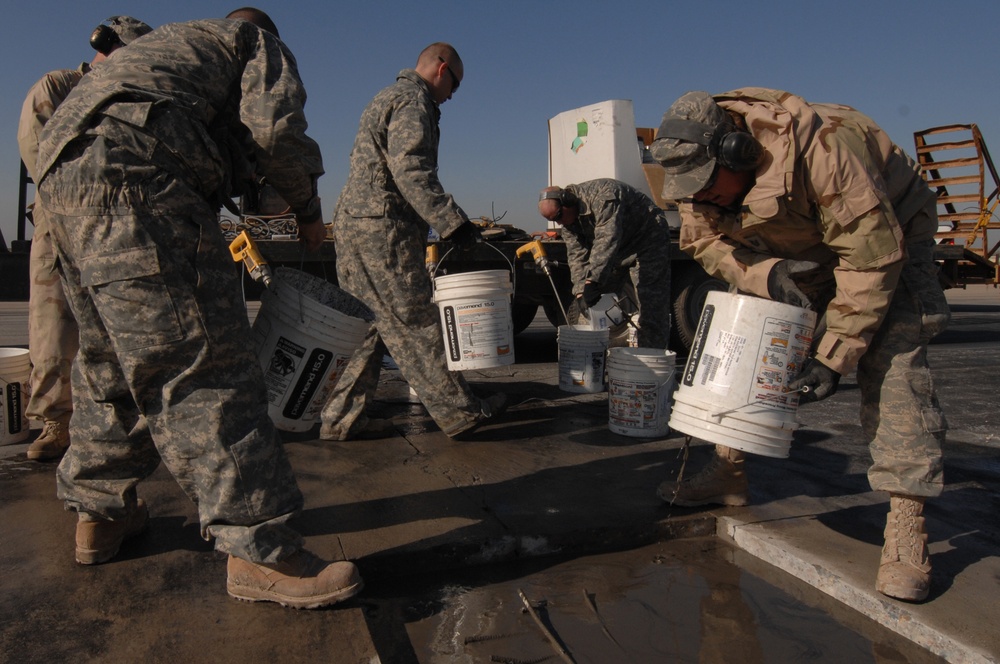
(616, 224)
(394, 161)
(833, 189)
(246, 104)
(41, 102)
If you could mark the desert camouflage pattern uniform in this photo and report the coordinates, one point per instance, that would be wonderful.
(133, 165)
(52, 330)
(619, 228)
(836, 190)
(391, 199)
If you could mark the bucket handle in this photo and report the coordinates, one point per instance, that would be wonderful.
(718, 415)
(513, 272)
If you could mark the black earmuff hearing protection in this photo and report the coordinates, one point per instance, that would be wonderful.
(735, 149)
(565, 198)
(104, 39)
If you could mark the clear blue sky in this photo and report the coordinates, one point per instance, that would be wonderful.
(910, 64)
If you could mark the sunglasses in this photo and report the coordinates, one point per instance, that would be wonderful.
(454, 79)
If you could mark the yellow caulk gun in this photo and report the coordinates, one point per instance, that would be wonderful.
(245, 249)
(537, 252)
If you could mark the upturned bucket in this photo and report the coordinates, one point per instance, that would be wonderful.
(305, 333)
(15, 367)
(732, 391)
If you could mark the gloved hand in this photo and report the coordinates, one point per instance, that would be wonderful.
(781, 286)
(816, 381)
(466, 236)
(591, 293)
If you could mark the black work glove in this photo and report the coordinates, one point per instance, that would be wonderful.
(781, 286)
(466, 236)
(816, 381)
(591, 293)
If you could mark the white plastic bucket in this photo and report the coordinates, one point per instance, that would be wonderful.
(582, 353)
(640, 383)
(475, 318)
(605, 313)
(732, 392)
(15, 367)
(305, 333)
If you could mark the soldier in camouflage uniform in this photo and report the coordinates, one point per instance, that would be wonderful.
(391, 200)
(52, 331)
(132, 168)
(608, 225)
(813, 205)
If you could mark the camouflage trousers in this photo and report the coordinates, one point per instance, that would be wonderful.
(651, 277)
(381, 262)
(52, 331)
(900, 413)
(166, 368)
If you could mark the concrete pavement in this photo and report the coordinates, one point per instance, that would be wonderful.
(547, 478)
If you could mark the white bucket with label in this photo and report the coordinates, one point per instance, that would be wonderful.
(605, 314)
(476, 319)
(582, 352)
(305, 333)
(640, 384)
(732, 391)
(15, 367)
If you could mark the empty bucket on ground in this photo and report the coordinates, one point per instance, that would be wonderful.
(732, 391)
(305, 333)
(476, 319)
(582, 352)
(640, 383)
(15, 367)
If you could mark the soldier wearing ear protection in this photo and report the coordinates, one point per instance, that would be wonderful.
(814, 205)
(52, 329)
(115, 32)
(608, 227)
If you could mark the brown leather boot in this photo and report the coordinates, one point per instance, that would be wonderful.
(53, 442)
(98, 540)
(301, 581)
(905, 569)
(721, 482)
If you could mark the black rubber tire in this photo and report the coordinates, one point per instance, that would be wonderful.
(692, 285)
(522, 315)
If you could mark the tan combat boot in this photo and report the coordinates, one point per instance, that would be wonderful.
(905, 569)
(721, 482)
(98, 540)
(53, 442)
(301, 581)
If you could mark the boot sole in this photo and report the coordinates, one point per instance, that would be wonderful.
(903, 593)
(248, 594)
(726, 500)
(45, 456)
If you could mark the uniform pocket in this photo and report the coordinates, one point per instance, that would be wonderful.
(132, 298)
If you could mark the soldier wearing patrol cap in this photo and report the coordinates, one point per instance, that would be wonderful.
(813, 205)
(52, 330)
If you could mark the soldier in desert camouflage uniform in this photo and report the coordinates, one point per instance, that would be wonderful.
(132, 168)
(391, 199)
(608, 225)
(813, 205)
(52, 331)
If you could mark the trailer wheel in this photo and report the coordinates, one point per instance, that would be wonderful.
(692, 286)
(522, 315)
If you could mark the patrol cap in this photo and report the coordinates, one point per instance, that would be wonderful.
(127, 28)
(688, 165)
